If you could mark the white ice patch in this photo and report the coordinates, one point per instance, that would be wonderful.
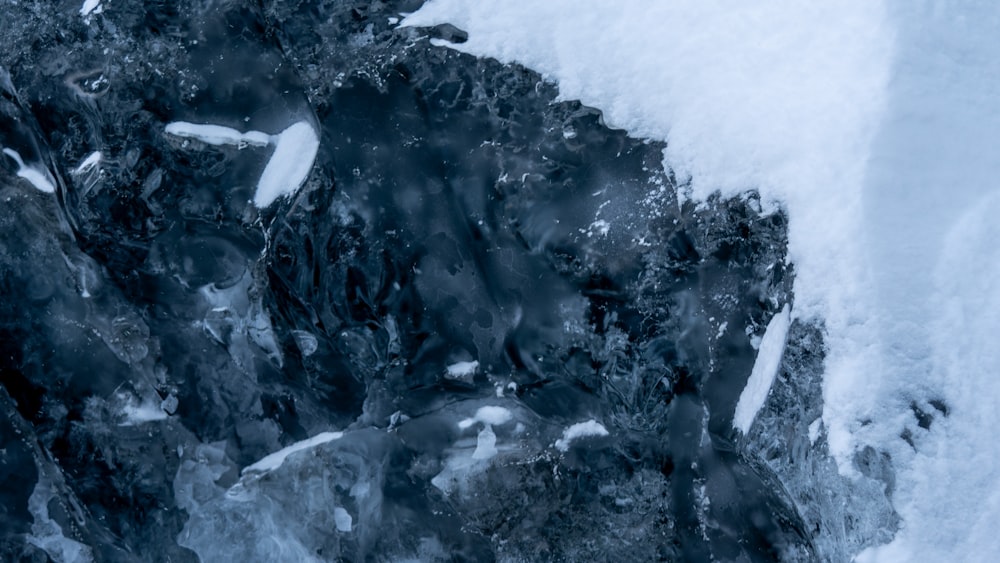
(487, 415)
(814, 429)
(91, 7)
(38, 178)
(92, 160)
(290, 164)
(274, 461)
(486, 444)
(217, 134)
(580, 430)
(342, 519)
(140, 413)
(461, 369)
(765, 368)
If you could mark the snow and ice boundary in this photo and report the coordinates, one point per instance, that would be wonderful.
(872, 124)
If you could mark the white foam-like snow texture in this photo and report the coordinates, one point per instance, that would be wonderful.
(487, 415)
(580, 430)
(875, 125)
(462, 369)
(765, 368)
(294, 154)
(38, 178)
(274, 460)
(141, 413)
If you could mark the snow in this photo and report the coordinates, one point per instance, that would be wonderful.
(91, 7)
(216, 134)
(293, 157)
(875, 126)
(462, 369)
(487, 415)
(141, 413)
(765, 368)
(274, 460)
(580, 430)
(295, 151)
(38, 178)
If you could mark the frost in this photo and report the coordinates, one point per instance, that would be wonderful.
(580, 430)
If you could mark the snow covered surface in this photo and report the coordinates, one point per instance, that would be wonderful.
(875, 126)
(274, 461)
(765, 368)
(580, 430)
(38, 178)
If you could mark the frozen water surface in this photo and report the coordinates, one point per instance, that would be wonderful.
(646, 281)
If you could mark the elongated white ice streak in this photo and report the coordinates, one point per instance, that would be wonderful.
(216, 134)
(90, 7)
(290, 164)
(37, 178)
(765, 368)
(274, 460)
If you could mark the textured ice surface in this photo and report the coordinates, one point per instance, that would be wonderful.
(457, 208)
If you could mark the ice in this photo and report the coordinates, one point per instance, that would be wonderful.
(486, 444)
(47, 534)
(289, 166)
(91, 7)
(92, 160)
(765, 368)
(38, 178)
(274, 461)
(342, 519)
(580, 430)
(814, 430)
(142, 412)
(874, 125)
